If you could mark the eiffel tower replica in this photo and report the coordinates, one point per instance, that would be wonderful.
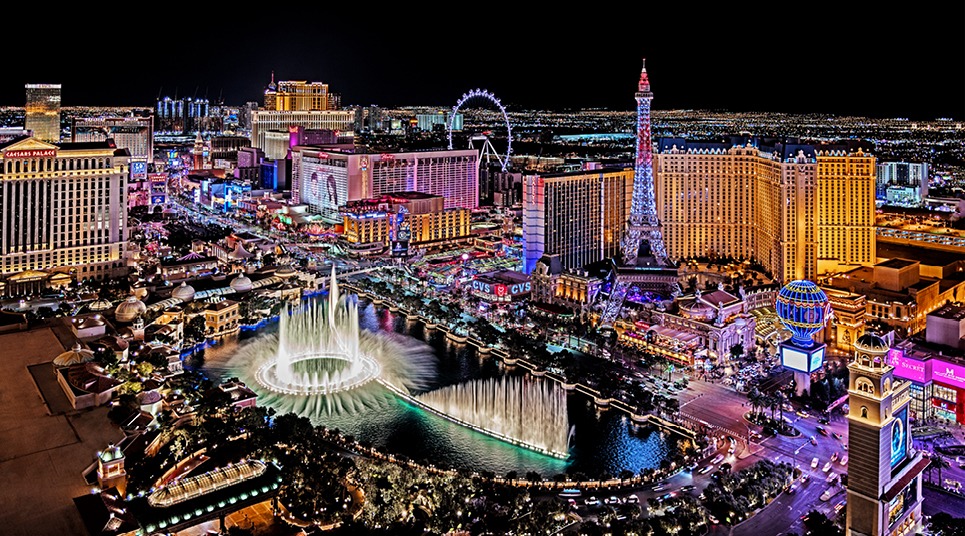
(644, 261)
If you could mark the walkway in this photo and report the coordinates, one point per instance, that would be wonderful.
(42, 455)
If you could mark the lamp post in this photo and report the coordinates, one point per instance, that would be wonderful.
(797, 450)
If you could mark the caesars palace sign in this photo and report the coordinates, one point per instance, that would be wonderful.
(30, 153)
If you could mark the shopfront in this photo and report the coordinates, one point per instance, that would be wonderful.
(502, 287)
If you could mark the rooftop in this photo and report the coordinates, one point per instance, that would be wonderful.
(896, 263)
(925, 255)
(950, 311)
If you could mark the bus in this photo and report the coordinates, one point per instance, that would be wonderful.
(570, 492)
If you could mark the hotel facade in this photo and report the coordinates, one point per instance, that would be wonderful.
(326, 180)
(63, 207)
(404, 220)
(798, 209)
(264, 123)
(579, 216)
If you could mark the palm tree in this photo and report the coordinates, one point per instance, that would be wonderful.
(754, 397)
(938, 462)
(781, 398)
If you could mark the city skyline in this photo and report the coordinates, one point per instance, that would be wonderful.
(842, 60)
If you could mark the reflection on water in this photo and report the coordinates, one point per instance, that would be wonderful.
(602, 442)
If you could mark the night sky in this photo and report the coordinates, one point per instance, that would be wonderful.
(825, 57)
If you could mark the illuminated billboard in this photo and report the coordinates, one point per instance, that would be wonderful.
(794, 359)
(817, 359)
(323, 187)
(907, 367)
(138, 171)
(899, 437)
(800, 360)
(949, 374)
(902, 502)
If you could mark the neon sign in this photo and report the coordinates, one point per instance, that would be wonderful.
(906, 367)
(31, 153)
(953, 375)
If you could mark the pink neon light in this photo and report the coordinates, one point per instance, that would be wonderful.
(907, 367)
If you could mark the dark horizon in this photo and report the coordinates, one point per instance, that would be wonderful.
(837, 59)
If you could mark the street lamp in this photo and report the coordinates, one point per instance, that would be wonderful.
(797, 450)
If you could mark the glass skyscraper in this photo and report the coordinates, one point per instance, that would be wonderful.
(42, 112)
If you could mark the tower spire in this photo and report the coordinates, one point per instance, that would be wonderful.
(644, 84)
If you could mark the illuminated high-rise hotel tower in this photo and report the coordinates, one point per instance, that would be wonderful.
(42, 112)
(651, 271)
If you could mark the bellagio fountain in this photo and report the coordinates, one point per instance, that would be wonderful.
(321, 362)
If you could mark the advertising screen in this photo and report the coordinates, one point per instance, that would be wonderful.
(794, 359)
(138, 171)
(323, 187)
(817, 359)
(903, 502)
(899, 437)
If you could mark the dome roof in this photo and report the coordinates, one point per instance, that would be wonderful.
(285, 271)
(872, 343)
(129, 309)
(694, 308)
(74, 356)
(185, 292)
(99, 305)
(112, 453)
(241, 283)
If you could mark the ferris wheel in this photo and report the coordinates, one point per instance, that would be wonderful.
(483, 94)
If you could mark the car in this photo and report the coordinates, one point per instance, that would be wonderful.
(836, 435)
(660, 487)
(792, 489)
(832, 477)
(612, 499)
(667, 496)
(824, 420)
(813, 440)
(592, 501)
(802, 414)
(712, 519)
(688, 487)
(732, 449)
(844, 461)
(631, 499)
(826, 468)
(822, 430)
(705, 469)
(572, 503)
(692, 466)
(834, 456)
(805, 478)
(814, 463)
(826, 495)
(717, 459)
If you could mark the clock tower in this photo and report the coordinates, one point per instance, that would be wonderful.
(884, 472)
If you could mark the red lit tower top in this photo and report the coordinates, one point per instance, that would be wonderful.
(644, 85)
